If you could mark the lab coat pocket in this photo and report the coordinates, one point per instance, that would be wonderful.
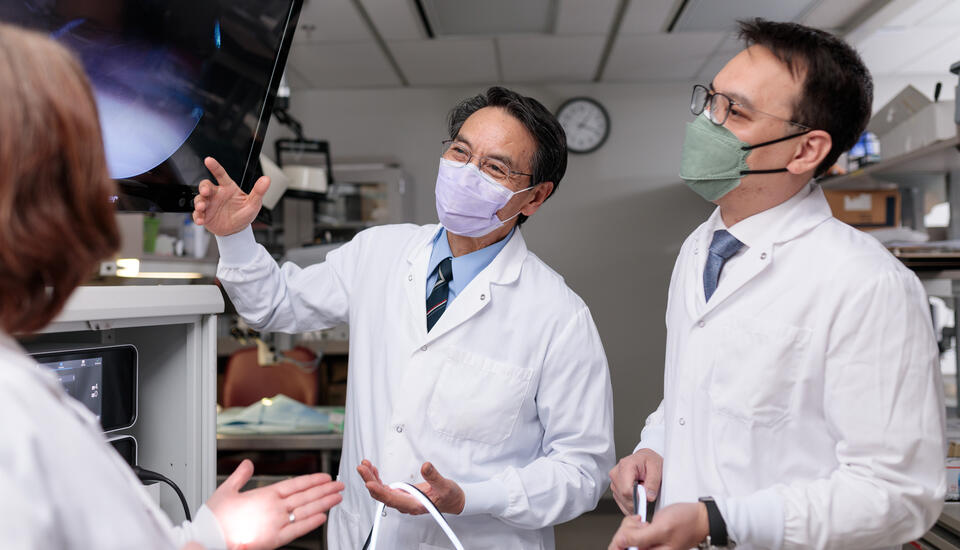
(756, 369)
(477, 398)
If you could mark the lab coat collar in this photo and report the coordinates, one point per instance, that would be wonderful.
(503, 270)
(806, 209)
(783, 223)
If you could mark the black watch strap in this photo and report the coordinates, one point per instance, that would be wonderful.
(718, 527)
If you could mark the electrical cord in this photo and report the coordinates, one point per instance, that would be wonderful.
(148, 476)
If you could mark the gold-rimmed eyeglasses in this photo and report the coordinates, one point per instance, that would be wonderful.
(459, 153)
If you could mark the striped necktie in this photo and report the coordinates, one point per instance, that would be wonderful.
(723, 246)
(437, 301)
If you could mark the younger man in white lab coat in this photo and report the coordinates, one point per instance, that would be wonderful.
(468, 355)
(802, 404)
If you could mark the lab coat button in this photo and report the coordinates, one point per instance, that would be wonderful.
(701, 324)
(682, 422)
(399, 428)
(483, 297)
(423, 348)
(410, 277)
(763, 256)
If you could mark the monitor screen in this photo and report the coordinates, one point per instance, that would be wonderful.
(103, 379)
(82, 379)
(175, 81)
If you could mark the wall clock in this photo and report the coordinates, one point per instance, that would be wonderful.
(585, 122)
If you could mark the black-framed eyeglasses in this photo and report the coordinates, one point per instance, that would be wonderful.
(719, 106)
(459, 153)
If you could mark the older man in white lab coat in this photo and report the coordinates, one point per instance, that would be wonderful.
(802, 403)
(475, 372)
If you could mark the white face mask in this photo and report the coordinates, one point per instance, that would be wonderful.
(468, 200)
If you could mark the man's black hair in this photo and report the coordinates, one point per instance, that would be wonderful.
(550, 159)
(837, 94)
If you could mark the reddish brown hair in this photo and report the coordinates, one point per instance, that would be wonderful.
(56, 220)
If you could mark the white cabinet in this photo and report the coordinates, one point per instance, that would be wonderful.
(174, 330)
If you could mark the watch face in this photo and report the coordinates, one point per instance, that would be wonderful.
(586, 124)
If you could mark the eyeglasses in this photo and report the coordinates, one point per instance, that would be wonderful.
(719, 106)
(458, 153)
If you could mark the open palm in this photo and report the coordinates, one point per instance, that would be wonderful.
(224, 208)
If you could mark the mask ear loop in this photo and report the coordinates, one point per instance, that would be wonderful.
(517, 193)
(765, 143)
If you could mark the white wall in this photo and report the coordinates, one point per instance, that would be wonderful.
(613, 228)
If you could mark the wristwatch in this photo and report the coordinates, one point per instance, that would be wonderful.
(718, 528)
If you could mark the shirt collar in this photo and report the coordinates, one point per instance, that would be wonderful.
(465, 267)
(756, 230)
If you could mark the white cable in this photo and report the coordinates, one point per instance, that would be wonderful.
(426, 502)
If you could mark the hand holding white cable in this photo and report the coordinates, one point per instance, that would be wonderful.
(425, 502)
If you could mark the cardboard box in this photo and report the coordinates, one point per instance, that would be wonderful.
(873, 208)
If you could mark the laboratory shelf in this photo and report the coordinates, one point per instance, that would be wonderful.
(935, 159)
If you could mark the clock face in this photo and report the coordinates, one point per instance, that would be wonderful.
(586, 124)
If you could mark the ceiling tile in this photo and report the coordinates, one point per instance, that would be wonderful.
(657, 57)
(330, 21)
(919, 13)
(936, 60)
(342, 65)
(581, 17)
(710, 15)
(713, 65)
(832, 14)
(446, 61)
(395, 20)
(647, 16)
(550, 58)
(889, 50)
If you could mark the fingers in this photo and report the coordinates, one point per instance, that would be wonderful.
(293, 485)
(299, 528)
(652, 475)
(395, 499)
(431, 475)
(314, 493)
(239, 477)
(629, 534)
(260, 187)
(366, 473)
(223, 179)
(319, 506)
(206, 189)
(621, 483)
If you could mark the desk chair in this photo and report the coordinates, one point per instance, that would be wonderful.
(245, 381)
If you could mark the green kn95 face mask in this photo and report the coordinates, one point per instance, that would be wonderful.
(714, 160)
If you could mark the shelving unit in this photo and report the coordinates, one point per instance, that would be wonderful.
(913, 173)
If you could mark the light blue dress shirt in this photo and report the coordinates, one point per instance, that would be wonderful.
(465, 268)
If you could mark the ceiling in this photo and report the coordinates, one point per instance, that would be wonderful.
(389, 43)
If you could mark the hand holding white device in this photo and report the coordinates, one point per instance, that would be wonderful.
(639, 510)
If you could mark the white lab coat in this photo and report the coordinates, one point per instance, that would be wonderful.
(806, 395)
(508, 395)
(61, 485)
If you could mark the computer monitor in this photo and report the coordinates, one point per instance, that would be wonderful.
(175, 81)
